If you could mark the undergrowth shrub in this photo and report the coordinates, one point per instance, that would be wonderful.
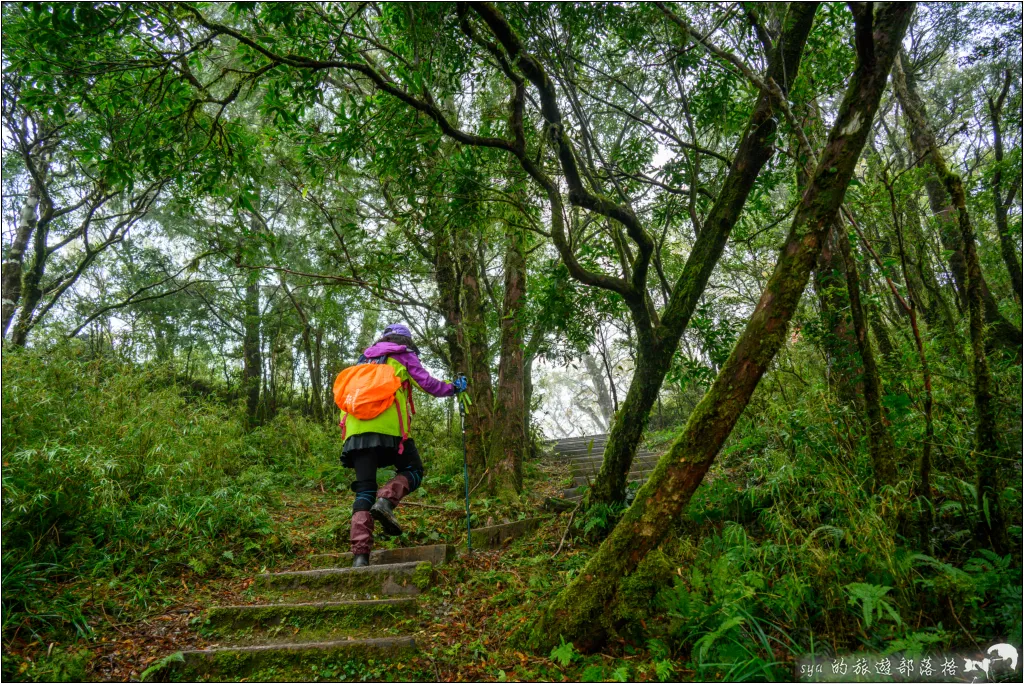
(787, 551)
(111, 475)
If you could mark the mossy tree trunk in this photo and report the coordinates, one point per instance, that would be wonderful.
(842, 359)
(926, 149)
(1002, 202)
(480, 416)
(581, 611)
(880, 444)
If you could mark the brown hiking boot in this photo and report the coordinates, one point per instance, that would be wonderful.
(384, 513)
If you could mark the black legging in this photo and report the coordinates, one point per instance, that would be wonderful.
(367, 461)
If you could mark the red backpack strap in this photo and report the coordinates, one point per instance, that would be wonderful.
(341, 424)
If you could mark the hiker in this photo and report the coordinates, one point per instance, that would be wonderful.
(383, 440)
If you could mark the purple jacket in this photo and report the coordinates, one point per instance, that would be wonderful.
(401, 353)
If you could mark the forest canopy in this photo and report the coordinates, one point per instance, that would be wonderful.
(775, 245)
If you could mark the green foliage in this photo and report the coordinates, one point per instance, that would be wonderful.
(873, 604)
(564, 654)
(110, 473)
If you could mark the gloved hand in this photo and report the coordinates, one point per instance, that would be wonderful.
(460, 384)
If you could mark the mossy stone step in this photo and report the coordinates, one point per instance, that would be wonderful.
(634, 476)
(286, 662)
(437, 554)
(497, 535)
(395, 579)
(325, 619)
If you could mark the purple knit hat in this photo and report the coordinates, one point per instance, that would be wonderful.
(397, 329)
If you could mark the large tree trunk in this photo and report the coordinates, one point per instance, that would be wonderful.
(654, 359)
(509, 440)
(581, 612)
(252, 362)
(880, 444)
(926, 148)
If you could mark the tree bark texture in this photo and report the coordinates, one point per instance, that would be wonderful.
(580, 612)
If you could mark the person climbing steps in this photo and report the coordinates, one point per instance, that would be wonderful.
(375, 397)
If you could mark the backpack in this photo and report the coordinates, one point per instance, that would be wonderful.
(367, 390)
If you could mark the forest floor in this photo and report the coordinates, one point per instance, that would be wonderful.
(476, 602)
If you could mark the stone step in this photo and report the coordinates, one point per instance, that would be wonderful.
(597, 448)
(572, 440)
(634, 476)
(496, 536)
(324, 620)
(287, 662)
(375, 580)
(598, 454)
(437, 554)
(643, 457)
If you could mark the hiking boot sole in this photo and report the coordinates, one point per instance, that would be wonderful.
(389, 525)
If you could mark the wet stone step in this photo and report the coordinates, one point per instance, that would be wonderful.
(437, 554)
(595, 464)
(599, 456)
(306, 661)
(634, 476)
(375, 580)
(582, 449)
(322, 620)
(495, 536)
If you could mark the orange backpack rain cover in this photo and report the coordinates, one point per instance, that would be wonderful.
(366, 390)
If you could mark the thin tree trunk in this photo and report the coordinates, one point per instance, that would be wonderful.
(480, 417)
(946, 212)
(450, 294)
(509, 442)
(252, 369)
(844, 368)
(655, 357)
(580, 613)
(880, 444)
(604, 398)
(991, 525)
(1002, 204)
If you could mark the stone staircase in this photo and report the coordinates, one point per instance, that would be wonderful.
(328, 623)
(584, 454)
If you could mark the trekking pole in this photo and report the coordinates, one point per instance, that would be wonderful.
(465, 468)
